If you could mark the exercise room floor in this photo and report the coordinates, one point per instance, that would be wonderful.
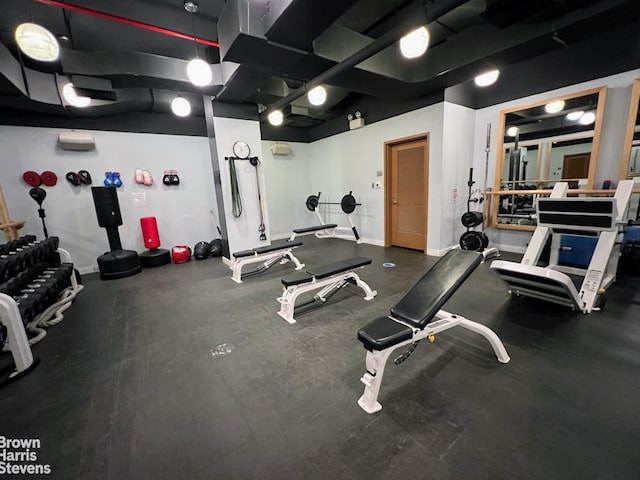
(179, 373)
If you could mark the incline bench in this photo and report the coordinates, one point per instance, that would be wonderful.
(329, 278)
(269, 255)
(417, 315)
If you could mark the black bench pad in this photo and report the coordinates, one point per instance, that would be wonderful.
(383, 333)
(430, 293)
(266, 249)
(339, 267)
(324, 271)
(296, 278)
(316, 228)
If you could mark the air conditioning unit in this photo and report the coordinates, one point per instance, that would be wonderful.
(280, 148)
(80, 141)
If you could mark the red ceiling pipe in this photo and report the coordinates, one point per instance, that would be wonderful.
(127, 21)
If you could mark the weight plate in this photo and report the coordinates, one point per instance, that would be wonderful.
(312, 202)
(485, 240)
(471, 241)
(348, 203)
(471, 219)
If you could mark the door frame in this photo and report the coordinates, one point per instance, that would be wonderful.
(387, 184)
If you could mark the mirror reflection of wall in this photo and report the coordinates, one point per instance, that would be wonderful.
(630, 165)
(544, 143)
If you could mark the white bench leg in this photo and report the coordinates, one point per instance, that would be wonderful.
(372, 379)
(16, 335)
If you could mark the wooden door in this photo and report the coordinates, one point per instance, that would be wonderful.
(575, 166)
(406, 164)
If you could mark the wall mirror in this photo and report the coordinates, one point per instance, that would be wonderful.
(630, 164)
(541, 144)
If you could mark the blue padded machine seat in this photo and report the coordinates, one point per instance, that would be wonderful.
(266, 249)
(315, 228)
(418, 307)
(324, 271)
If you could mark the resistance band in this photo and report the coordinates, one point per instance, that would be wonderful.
(261, 229)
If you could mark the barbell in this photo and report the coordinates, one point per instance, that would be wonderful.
(348, 203)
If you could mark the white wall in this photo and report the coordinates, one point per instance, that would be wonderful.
(242, 232)
(185, 214)
(459, 125)
(288, 184)
(350, 161)
(609, 155)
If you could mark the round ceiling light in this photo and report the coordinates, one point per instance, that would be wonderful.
(487, 78)
(72, 98)
(588, 118)
(513, 131)
(554, 107)
(573, 116)
(317, 95)
(37, 42)
(199, 72)
(415, 43)
(180, 107)
(276, 118)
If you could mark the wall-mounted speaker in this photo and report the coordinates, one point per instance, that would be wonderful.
(280, 148)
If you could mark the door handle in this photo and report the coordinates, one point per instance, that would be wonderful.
(394, 200)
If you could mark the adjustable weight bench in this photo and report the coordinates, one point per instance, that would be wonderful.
(418, 315)
(329, 278)
(269, 255)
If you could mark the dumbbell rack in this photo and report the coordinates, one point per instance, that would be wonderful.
(34, 287)
(8, 226)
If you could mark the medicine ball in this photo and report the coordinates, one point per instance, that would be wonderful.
(201, 250)
(181, 253)
(215, 248)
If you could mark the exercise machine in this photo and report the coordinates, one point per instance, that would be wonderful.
(327, 278)
(418, 315)
(347, 204)
(580, 287)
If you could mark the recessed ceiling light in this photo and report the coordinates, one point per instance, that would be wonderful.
(573, 116)
(199, 72)
(317, 95)
(487, 78)
(512, 131)
(37, 42)
(588, 118)
(72, 98)
(276, 118)
(554, 107)
(415, 43)
(180, 107)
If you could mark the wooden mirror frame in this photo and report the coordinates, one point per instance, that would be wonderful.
(631, 126)
(494, 196)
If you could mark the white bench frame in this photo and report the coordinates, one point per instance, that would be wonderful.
(376, 360)
(268, 258)
(327, 285)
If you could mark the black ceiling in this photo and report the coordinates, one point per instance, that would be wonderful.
(129, 57)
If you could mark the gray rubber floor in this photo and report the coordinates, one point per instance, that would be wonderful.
(179, 373)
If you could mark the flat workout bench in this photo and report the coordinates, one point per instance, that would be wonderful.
(269, 255)
(329, 278)
(329, 227)
(418, 315)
